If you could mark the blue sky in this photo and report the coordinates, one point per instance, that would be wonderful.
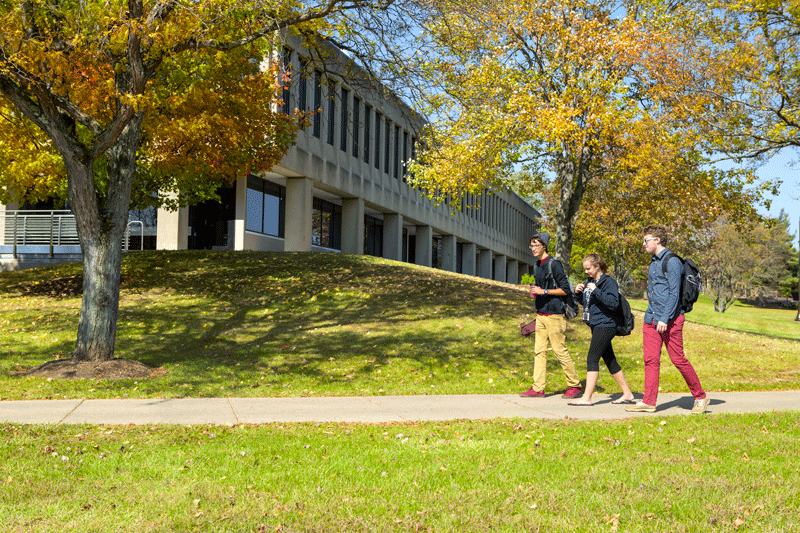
(786, 166)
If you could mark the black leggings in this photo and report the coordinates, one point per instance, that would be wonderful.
(601, 347)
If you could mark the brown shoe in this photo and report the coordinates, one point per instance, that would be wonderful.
(641, 407)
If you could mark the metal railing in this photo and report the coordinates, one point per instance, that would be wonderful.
(54, 231)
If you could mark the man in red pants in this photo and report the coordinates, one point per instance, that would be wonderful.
(663, 323)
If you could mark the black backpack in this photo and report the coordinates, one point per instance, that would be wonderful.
(624, 317)
(570, 302)
(691, 283)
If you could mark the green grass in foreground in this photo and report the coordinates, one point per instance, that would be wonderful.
(675, 474)
(289, 324)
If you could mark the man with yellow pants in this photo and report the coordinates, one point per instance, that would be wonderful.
(550, 291)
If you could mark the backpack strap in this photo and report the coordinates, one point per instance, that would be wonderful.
(665, 260)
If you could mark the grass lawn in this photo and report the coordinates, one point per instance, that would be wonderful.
(258, 324)
(674, 474)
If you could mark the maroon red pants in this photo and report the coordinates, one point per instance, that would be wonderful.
(673, 339)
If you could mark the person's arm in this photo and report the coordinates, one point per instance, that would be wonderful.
(608, 294)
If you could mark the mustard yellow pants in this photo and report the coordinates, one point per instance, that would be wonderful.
(552, 328)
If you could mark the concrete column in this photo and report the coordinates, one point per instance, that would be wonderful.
(423, 252)
(468, 258)
(512, 271)
(393, 236)
(236, 239)
(449, 250)
(3, 209)
(500, 268)
(485, 267)
(353, 226)
(172, 232)
(299, 214)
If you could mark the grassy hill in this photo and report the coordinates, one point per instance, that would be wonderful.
(294, 324)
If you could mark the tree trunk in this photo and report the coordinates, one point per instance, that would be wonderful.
(97, 326)
(101, 221)
(572, 170)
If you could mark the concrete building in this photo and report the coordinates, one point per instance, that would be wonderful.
(342, 188)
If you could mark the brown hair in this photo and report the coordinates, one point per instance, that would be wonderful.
(596, 260)
(658, 231)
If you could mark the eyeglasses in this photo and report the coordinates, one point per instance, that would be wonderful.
(537, 245)
(648, 240)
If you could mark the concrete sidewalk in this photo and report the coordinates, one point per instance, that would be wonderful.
(368, 409)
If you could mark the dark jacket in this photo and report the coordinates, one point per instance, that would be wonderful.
(553, 305)
(603, 303)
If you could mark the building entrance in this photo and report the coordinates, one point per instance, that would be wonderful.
(209, 221)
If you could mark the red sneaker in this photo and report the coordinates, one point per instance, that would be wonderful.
(530, 393)
(572, 392)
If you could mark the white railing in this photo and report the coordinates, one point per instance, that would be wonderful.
(52, 232)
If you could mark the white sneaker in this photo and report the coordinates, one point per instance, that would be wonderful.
(700, 406)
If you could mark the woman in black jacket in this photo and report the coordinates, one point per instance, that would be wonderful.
(600, 297)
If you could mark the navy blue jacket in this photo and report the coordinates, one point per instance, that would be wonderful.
(603, 302)
(552, 305)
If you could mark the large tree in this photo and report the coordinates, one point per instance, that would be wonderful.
(91, 75)
(580, 90)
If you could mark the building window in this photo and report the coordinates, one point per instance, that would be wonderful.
(405, 154)
(367, 125)
(327, 225)
(396, 152)
(302, 90)
(317, 104)
(356, 124)
(377, 140)
(331, 113)
(373, 236)
(266, 205)
(286, 73)
(387, 155)
(343, 128)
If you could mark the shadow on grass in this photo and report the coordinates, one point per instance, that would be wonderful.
(288, 315)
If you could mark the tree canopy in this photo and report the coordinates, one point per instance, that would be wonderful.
(581, 91)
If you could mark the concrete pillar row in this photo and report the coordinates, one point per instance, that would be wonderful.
(468, 258)
(353, 225)
(172, 232)
(393, 236)
(299, 215)
(485, 267)
(423, 251)
(449, 250)
(512, 271)
(500, 268)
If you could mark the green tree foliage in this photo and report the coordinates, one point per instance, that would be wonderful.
(751, 263)
(582, 91)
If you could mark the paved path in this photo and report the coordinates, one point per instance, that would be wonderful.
(367, 409)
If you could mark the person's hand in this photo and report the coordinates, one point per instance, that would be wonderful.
(592, 286)
(661, 327)
(579, 287)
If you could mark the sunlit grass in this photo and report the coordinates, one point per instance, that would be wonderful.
(283, 324)
(713, 473)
